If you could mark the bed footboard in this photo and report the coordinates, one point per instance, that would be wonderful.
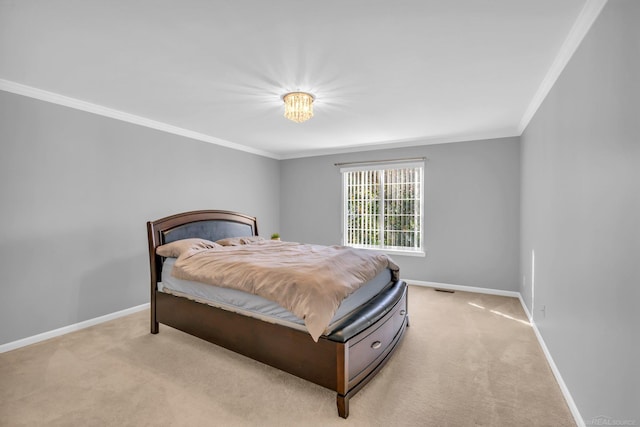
(367, 352)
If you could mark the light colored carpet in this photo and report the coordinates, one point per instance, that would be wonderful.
(466, 360)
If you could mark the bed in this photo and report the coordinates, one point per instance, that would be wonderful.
(360, 341)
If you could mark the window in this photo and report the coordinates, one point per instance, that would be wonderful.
(382, 205)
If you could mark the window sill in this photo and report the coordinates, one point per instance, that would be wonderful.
(394, 251)
(406, 253)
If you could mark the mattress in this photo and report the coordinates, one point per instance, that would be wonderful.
(258, 307)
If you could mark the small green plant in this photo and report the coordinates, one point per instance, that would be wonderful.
(275, 236)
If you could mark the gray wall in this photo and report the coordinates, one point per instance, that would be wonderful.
(581, 217)
(472, 218)
(76, 190)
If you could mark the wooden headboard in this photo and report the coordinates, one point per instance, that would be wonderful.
(207, 224)
(210, 224)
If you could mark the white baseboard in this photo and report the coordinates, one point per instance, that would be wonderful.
(71, 328)
(464, 288)
(556, 373)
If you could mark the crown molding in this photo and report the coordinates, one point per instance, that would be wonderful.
(55, 98)
(405, 143)
(585, 20)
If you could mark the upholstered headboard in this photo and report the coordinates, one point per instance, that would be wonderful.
(211, 225)
(209, 229)
(207, 224)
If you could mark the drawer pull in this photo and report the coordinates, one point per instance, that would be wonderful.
(376, 344)
(402, 312)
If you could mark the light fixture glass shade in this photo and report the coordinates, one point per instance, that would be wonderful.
(298, 106)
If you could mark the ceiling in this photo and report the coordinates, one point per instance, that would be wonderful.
(384, 73)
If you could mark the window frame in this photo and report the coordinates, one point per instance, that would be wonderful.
(384, 166)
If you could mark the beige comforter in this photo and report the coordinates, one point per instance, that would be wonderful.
(308, 280)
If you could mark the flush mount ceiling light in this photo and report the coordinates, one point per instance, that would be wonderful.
(298, 106)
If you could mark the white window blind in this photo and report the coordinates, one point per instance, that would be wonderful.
(383, 207)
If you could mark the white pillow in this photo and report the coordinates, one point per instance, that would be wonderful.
(238, 241)
(177, 248)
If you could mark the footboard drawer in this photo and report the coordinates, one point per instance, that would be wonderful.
(375, 344)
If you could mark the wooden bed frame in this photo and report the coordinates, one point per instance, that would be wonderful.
(344, 361)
